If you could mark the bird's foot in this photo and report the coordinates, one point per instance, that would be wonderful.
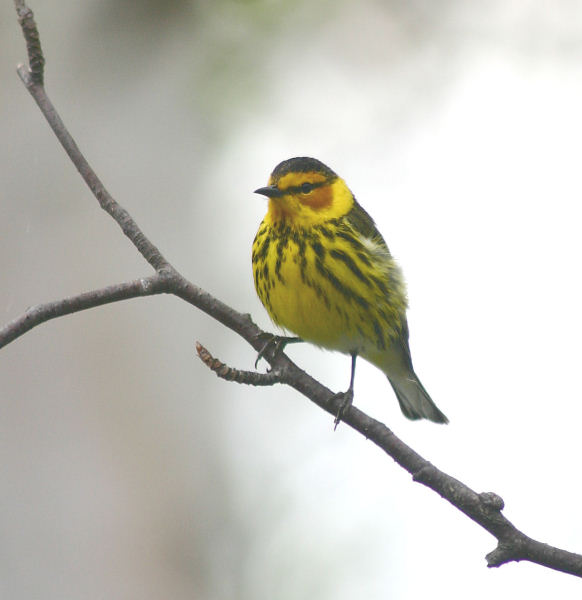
(345, 401)
(274, 343)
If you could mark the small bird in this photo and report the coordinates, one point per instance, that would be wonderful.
(324, 272)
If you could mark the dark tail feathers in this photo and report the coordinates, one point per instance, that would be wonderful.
(414, 400)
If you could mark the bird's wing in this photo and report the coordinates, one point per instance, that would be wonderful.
(364, 225)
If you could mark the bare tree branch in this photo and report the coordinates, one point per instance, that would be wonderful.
(33, 80)
(485, 508)
(229, 374)
(32, 39)
(35, 315)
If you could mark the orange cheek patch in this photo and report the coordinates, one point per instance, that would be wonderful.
(319, 198)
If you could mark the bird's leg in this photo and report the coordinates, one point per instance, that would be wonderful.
(276, 343)
(346, 397)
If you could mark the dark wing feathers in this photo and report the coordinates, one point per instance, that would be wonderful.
(363, 224)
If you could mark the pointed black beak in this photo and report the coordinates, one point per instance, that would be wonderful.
(271, 191)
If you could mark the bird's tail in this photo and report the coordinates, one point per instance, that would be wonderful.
(414, 400)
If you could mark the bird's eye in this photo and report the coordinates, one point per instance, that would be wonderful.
(306, 188)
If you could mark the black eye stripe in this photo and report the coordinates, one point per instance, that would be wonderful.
(298, 189)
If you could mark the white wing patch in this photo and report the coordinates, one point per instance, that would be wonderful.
(375, 248)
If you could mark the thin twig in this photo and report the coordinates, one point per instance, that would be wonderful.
(225, 372)
(33, 80)
(32, 38)
(35, 315)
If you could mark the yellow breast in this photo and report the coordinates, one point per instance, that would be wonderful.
(328, 285)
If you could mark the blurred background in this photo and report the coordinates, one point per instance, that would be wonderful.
(128, 470)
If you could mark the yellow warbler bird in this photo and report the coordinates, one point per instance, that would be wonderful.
(324, 272)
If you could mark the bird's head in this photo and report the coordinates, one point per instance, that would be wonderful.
(303, 191)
